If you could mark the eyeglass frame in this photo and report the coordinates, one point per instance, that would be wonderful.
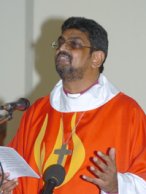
(55, 44)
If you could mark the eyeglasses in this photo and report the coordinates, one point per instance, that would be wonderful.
(71, 44)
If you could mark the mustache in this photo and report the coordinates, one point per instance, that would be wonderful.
(64, 53)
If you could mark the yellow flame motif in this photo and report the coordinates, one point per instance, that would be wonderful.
(39, 153)
(78, 153)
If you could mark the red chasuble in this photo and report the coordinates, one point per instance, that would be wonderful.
(119, 123)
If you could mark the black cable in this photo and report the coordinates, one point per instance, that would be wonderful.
(2, 174)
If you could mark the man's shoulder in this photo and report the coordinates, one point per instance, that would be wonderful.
(41, 103)
(127, 101)
(42, 100)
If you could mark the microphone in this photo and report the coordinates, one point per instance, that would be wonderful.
(53, 176)
(21, 104)
(7, 109)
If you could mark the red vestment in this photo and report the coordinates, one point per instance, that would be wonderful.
(119, 123)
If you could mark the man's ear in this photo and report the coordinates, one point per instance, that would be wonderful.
(97, 58)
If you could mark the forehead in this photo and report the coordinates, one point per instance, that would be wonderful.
(74, 33)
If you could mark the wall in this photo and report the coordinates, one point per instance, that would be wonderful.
(26, 59)
(16, 55)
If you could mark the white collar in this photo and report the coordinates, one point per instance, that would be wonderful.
(95, 97)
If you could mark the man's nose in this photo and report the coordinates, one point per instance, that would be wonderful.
(64, 46)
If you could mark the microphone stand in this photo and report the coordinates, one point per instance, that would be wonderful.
(3, 120)
(6, 117)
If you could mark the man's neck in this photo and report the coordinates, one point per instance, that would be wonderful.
(78, 86)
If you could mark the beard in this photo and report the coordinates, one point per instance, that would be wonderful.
(69, 73)
(65, 70)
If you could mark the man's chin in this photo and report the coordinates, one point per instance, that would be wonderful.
(63, 67)
(63, 64)
(69, 74)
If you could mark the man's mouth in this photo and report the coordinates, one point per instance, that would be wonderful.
(63, 58)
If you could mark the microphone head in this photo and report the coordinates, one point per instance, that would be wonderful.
(22, 104)
(55, 172)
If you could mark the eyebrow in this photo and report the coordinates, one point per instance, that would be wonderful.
(71, 38)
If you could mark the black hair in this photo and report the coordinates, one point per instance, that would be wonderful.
(96, 33)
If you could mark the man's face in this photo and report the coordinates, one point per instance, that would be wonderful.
(72, 59)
